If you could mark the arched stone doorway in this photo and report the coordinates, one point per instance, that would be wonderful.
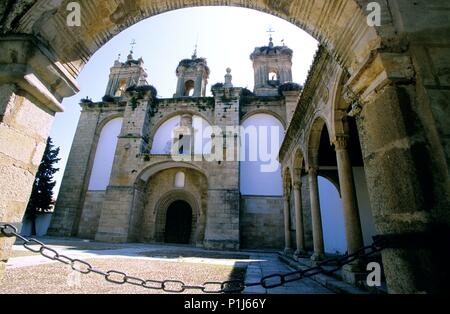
(178, 223)
(164, 186)
(177, 219)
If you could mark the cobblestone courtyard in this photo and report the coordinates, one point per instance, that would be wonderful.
(31, 273)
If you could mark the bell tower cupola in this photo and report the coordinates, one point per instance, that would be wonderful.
(126, 74)
(192, 76)
(272, 68)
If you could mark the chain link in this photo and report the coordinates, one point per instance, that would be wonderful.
(177, 286)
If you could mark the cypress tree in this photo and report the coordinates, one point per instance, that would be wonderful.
(41, 200)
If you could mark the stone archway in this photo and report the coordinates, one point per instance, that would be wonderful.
(397, 76)
(102, 20)
(167, 208)
(160, 187)
(178, 223)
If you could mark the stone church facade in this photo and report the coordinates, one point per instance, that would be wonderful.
(392, 77)
(149, 192)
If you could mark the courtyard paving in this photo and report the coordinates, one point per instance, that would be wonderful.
(31, 273)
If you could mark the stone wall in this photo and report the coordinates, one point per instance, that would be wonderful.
(91, 214)
(261, 222)
(274, 105)
(71, 198)
(160, 193)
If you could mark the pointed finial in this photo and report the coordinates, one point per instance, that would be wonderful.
(194, 55)
(228, 79)
(118, 57)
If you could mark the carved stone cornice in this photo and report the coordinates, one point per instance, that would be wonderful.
(379, 69)
(35, 69)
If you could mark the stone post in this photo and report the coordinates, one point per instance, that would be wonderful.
(32, 84)
(319, 251)
(299, 227)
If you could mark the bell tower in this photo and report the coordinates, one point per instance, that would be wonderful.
(124, 75)
(192, 76)
(272, 67)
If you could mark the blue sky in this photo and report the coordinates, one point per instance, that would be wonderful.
(226, 36)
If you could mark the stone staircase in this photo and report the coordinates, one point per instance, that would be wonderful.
(333, 282)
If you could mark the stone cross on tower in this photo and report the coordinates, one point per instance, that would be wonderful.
(270, 31)
(133, 43)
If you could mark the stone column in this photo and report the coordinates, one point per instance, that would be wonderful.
(400, 170)
(348, 194)
(198, 85)
(319, 251)
(299, 232)
(180, 85)
(287, 232)
(31, 88)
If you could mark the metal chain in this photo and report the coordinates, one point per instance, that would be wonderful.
(177, 286)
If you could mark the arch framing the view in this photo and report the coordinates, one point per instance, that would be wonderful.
(109, 17)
